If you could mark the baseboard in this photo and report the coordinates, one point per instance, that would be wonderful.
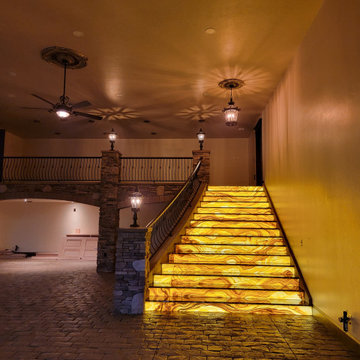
(324, 318)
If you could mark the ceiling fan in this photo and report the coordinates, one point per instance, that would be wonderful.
(64, 108)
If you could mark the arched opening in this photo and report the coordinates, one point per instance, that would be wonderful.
(52, 229)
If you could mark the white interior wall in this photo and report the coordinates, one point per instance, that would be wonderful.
(41, 226)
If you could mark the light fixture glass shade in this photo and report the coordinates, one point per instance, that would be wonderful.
(112, 136)
(201, 135)
(231, 115)
(136, 200)
(62, 113)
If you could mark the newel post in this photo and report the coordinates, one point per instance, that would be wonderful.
(130, 271)
(109, 210)
(204, 172)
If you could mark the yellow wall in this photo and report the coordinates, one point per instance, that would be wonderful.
(229, 157)
(311, 159)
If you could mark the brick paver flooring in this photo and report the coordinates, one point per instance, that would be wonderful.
(63, 310)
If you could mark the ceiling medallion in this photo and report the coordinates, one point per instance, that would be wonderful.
(231, 112)
(59, 56)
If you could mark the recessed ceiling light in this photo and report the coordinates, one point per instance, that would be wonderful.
(12, 73)
(146, 121)
(78, 33)
(154, 133)
(210, 31)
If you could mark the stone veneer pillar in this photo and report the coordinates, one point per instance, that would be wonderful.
(130, 271)
(204, 171)
(109, 211)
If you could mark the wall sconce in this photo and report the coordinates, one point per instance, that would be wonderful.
(135, 200)
(112, 137)
(201, 137)
(231, 112)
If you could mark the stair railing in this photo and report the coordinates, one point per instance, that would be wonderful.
(161, 227)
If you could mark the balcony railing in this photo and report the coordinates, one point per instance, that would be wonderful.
(78, 169)
(44, 168)
(155, 169)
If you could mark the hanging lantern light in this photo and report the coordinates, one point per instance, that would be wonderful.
(231, 112)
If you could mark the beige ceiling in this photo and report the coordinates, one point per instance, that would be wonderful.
(148, 60)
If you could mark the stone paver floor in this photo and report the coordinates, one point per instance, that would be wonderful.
(53, 309)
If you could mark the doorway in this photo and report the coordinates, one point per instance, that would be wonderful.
(258, 153)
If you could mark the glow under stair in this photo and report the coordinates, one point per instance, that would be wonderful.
(232, 258)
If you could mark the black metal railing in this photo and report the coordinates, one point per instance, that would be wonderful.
(44, 168)
(76, 168)
(155, 169)
(161, 228)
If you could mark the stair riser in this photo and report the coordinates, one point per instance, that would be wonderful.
(232, 232)
(233, 217)
(169, 307)
(236, 270)
(229, 259)
(226, 282)
(232, 210)
(234, 224)
(236, 249)
(226, 204)
(227, 295)
(232, 240)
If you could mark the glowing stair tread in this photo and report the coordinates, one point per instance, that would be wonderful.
(169, 307)
(230, 259)
(233, 224)
(234, 217)
(235, 188)
(233, 210)
(235, 193)
(231, 249)
(292, 297)
(233, 282)
(235, 204)
(256, 199)
(231, 240)
(228, 269)
(232, 232)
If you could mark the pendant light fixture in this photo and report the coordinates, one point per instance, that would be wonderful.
(231, 112)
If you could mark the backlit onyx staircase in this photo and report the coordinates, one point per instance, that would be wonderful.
(232, 258)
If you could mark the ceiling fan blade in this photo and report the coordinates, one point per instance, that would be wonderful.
(39, 97)
(81, 104)
(95, 117)
(33, 108)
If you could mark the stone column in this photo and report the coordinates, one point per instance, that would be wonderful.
(130, 271)
(204, 172)
(109, 211)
